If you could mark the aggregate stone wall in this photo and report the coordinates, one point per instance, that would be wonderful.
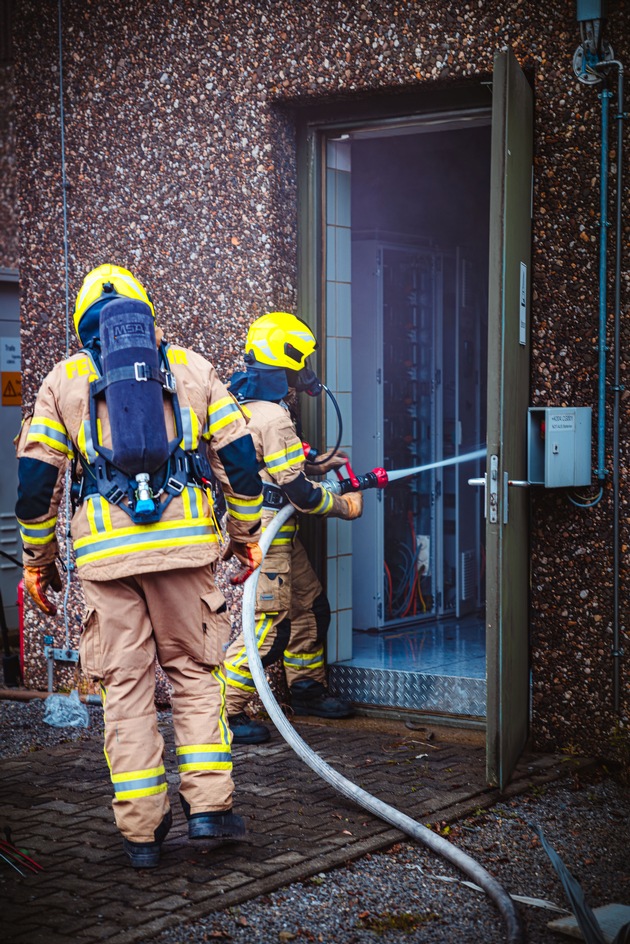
(9, 249)
(181, 165)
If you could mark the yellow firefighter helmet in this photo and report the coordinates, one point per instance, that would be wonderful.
(279, 339)
(105, 283)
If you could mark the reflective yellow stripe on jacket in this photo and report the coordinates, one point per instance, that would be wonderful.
(285, 458)
(51, 433)
(41, 533)
(220, 414)
(244, 509)
(108, 542)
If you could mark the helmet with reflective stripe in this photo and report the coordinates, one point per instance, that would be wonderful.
(102, 285)
(279, 339)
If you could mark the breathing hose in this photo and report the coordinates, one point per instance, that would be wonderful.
(350, 790)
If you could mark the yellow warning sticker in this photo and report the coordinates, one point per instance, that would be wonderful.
(11, 388)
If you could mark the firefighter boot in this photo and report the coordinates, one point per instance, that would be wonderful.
(146, 855)
(247, 731)
(312, 698)
(223, 825)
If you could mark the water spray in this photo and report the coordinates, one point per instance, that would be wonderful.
(379, 478)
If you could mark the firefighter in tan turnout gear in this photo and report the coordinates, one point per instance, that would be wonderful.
(137, 419)
(292, 610)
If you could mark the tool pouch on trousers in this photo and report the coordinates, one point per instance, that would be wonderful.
(215, 628)
(90, 657)
(273, 593)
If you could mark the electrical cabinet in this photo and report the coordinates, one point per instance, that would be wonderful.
(559, 446)
(418, 343)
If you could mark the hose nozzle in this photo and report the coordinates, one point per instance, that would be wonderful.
(375, 478)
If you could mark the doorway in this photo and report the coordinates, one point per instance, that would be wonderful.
(406, 265)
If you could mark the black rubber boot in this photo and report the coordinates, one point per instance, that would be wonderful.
(224, 825)
(313, 698)
(247, 731)
(146, 855)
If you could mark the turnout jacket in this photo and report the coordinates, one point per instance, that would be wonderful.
(107, 543)
(282, 463)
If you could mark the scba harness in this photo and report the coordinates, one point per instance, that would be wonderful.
(143, 471)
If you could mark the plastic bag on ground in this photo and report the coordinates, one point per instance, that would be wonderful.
(66, 711)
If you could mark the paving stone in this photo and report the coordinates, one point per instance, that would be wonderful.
(298, 826)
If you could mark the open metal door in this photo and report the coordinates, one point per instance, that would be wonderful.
(507, 505)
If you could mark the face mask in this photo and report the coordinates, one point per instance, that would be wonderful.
(305, 381)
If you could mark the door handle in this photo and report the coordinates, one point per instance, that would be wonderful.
(491, 490)
(484, 483)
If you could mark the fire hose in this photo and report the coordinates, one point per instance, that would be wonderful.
(346, 787)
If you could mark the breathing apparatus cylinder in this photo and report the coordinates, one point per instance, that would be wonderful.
(133, 392)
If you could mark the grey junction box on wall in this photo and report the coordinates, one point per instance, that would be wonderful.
(559, 446)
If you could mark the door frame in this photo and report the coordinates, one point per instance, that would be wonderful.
(313, 125)
(507, 515)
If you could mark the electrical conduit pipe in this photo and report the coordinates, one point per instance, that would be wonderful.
(351, 791)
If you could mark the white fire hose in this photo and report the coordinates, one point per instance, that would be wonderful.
(350, 790)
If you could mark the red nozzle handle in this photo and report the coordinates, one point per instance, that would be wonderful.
(351, 476)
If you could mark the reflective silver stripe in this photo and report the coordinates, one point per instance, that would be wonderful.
(242, 679)
(143, 537)
(55, 437)
(205, 757)
(244, 509)
(236, 671)
(290, 457)
(41, 533)
(222, 413)
(90, 451)
(312, 660)
(96, 503)
(325, 504)
(140, 785)
(187, 428)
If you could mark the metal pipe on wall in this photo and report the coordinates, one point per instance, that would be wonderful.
(603, 247)
(617, 389)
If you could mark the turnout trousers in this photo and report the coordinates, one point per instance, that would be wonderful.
(181, 618)
(292, 619)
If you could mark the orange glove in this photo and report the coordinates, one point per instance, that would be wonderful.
(348, 506)
(37, 580)
(326, 462)
(249, 555)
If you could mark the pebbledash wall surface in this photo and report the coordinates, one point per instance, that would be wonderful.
(180, 135)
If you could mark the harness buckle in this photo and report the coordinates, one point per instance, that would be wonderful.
(169, 381)
(140, 370)
(174, 485)
(115, 495)
(273, 497)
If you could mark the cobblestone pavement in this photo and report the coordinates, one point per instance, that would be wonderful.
(57, 803)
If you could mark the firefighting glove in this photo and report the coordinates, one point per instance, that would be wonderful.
(37, 580)
(347, 506)
(326, 462)
(248, 555)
